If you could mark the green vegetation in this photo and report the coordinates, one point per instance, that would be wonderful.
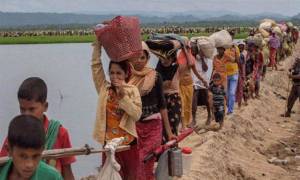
(76, 39)
(46, 39)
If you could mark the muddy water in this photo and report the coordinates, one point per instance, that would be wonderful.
(71, 94)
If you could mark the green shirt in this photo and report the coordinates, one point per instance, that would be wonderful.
(43, 171)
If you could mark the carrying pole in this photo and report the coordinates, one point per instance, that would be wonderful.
(67, 152)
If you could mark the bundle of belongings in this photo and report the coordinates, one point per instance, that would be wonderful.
(121, 38)
(257, 40)
(222, 39)
(165, 46)
(205, 44)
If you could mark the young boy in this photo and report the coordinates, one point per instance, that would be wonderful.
(26, 139)
(32, 96)
(218, 94)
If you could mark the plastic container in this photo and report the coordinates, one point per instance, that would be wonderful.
(187, 157)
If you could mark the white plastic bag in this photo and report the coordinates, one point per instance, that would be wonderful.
(111, 168)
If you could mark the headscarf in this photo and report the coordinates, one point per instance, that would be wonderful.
(144, 80)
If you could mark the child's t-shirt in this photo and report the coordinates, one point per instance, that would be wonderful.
(43, 171)
(219, 93)
(62, 141)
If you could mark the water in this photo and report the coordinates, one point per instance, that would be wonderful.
(66, 70)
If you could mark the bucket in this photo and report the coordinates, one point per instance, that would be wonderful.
(121, 38)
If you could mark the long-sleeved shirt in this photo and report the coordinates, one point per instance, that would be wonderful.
(131, 102)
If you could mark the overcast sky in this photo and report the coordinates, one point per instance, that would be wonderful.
(285, 7)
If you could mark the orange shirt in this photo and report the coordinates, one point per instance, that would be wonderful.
(185, 70)
(113, 116)
(219, 66)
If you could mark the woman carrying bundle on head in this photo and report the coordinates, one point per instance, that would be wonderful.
(169, 71)
(173, 65)
(119, 104)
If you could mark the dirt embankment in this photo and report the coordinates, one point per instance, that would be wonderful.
(253, 135)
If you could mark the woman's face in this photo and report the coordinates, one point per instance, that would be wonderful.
(117, 75)
(139, 63)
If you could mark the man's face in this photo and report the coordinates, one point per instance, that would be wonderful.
(25, 161)
(33, 108)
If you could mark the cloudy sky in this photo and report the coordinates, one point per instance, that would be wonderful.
(285, 7)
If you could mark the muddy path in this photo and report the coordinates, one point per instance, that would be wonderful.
(251, 137)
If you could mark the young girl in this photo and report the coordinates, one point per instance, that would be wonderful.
(119, 107)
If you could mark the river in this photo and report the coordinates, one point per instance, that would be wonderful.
(71, 94)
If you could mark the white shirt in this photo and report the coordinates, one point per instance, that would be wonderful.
(205, 75)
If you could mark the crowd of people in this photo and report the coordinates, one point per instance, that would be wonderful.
(145, 30)
(147, 106)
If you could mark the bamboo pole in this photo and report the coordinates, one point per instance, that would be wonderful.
(60, 153)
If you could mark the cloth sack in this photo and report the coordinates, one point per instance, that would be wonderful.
(222, 39)
(206, 45)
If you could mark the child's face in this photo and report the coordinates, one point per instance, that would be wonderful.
(217, 82)
(33, 108)
(25, 161)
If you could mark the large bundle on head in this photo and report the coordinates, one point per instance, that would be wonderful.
(267, 24)
(121, 38)
(163, 49)
(264, 33)
(205, 44)
(165, 46)
(283, 27)
(222, 39)
(257, 40)
(277, 31)
(289, 24)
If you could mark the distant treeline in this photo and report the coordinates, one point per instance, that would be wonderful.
(202, 24)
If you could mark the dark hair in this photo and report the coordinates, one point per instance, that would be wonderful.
(124, 65)
(216, 76)
(147, 54)
(33, 88)
(26, 131)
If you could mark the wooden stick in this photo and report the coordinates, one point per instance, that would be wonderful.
(67, 152)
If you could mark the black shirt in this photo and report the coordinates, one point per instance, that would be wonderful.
(155, 100)
(218, 96)
(296, 71)
(167, 73)
(249, 66)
